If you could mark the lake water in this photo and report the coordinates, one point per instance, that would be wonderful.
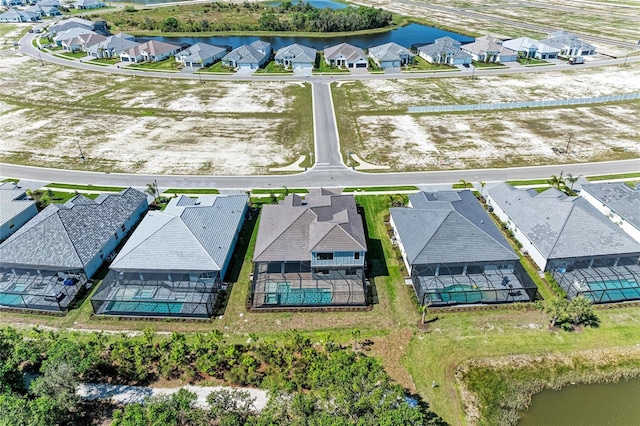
(600, 404)
(404, 36)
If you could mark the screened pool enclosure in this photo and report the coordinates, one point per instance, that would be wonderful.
(453, 284)
(156, 294)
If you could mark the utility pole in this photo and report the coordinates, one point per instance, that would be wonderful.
(568, 142)
(80, 149)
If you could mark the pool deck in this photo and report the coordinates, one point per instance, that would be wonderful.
(45, 292)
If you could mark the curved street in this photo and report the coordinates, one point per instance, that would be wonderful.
(329, 169)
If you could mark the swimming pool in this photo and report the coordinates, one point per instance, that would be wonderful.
(285, 295)
(11, 300)
(458, 293)
(613, 290)
(144, 307)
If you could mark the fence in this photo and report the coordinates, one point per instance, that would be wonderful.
(525, 104)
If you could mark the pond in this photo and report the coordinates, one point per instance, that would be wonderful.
(586, 405)
(405, 36)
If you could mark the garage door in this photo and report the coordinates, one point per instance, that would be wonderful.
(362, 65)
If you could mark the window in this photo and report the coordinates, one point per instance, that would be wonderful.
(116, 235)
(356, 255)
(322, 272)
(122, 227)
(324, 256)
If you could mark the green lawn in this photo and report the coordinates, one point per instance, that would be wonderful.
(273, 68)
(218, 67)
(192, 191)
(399, 188)
(487, 64)
(105, 61)
(169, 64)
(618, 176)
(323, 67)
(532, 62)
(72, 55)
(422, 65)
(85, 187)
(266, 191)
(528, 182)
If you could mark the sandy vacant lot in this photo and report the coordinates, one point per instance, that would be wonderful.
(386, 134)
(147, 125)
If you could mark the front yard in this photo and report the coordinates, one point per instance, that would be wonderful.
(169, 64)
(421, 64)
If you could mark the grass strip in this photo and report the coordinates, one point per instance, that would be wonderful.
(279, 191)
(85, 187)
(192, 191)
(610, 177)
(382, 188)
(528, 182)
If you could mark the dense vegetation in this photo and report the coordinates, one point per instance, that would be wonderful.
(213, 17)
(308, 384)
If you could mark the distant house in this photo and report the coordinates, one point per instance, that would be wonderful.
(150, 51)
(88, 4)
(66, 36)
(200, 55)
(586, 253)
(44, 10)
(530, 48)
(15, 209)
(391, 55)
(15, 15)
(44, 263)
(67, 24)
(489, 49)
(81, 42)
(112, 46)
(249, 56)
(310, 253)
(175, 262)
(10, 3)
(345, 55)
(568, 44)
(454, 252)
(296, 56)
(444, 50)
(618, 202)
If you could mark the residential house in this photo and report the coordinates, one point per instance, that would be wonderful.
(310, 253)
(44, 264)
(585, 252)
(89, 4)
(568, 44)
(10, 3)
(70, 34)
(444, 50)
(391, 55)
(15, 209)
(67, 24)
(345, 55)
(296, 56)
(454, 252)
(200, 55)
(175, 262)
(112, 46)
(15, 15)
(44, 10)
(81, 42)
(150, 51)
(490, 49)
(249, 56)
(530, 48)
(617, 201)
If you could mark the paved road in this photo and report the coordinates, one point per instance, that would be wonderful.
(325, 130)
(317, 178)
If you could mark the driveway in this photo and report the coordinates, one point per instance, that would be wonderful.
(245, 71)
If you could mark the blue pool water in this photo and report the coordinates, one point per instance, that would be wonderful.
(145, 307)
(460, 293)
(11, 300)
(285, 295)
(613, 290)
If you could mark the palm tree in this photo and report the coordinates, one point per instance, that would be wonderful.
(424, 310)
(355, 333)
(580, 308)
(152, 189)
(464, 183)
(482, 185)
(557, 309)
(555, 182)
(572, 179)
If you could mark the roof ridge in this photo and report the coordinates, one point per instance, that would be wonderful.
(66, 230)
(273, 241)
(150, 235)
(434, 233)
(196, 238)
(481, 230)
(573, 206)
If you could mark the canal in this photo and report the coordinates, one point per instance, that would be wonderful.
(599, 404)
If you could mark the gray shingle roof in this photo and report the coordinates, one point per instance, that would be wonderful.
(449, 227)
(244, 54)
(560, 226)
(444, 46)
(189, 235)
(389, 52)
(619, 197)
(488, 44)
(13, 201)
(562, 38)
(297, 53)
(70, 235)
(200, 52)
(289, 231)
(349, 52)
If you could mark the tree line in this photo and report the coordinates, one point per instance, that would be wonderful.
(301, 17)
(308, 384)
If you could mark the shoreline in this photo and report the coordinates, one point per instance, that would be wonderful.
(498, 390)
